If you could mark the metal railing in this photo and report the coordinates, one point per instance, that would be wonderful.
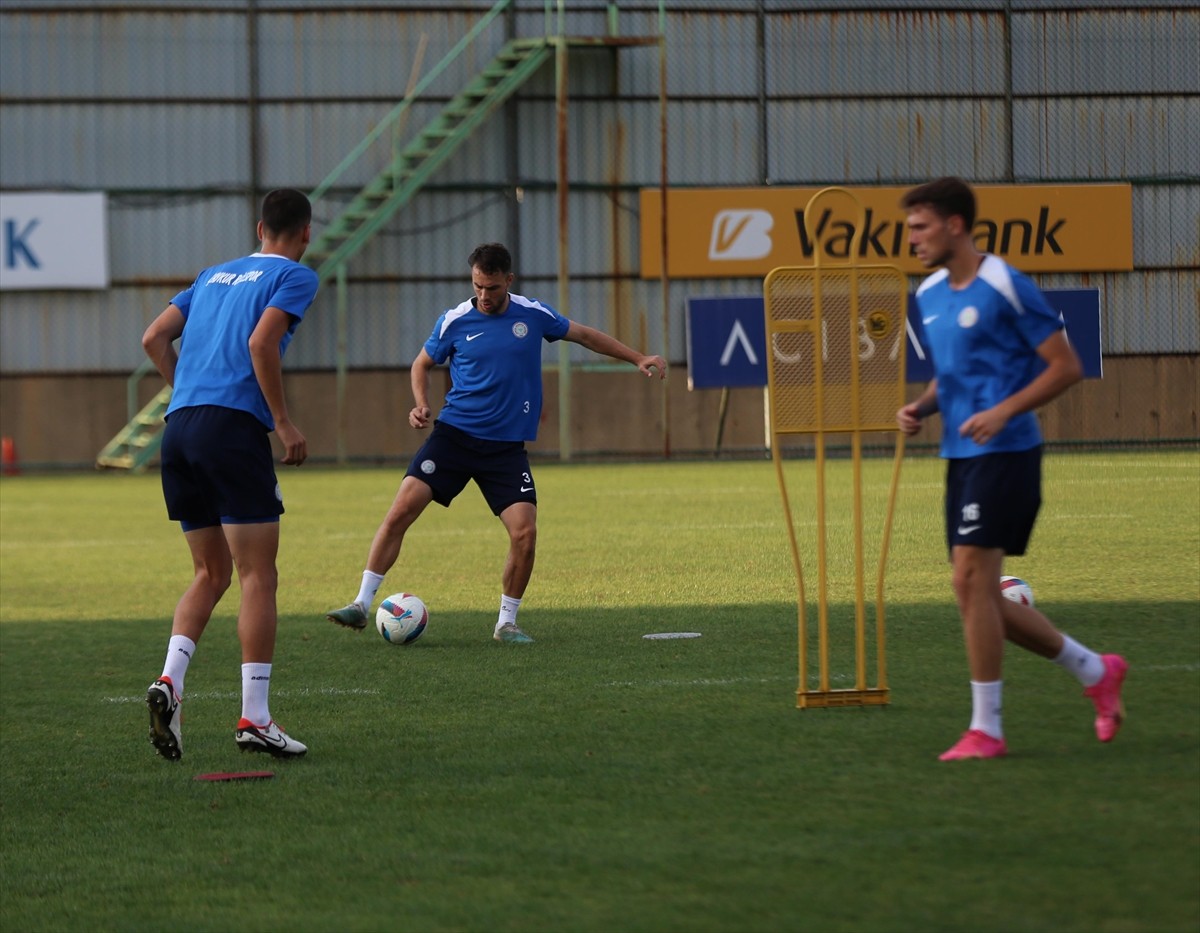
(395, 117)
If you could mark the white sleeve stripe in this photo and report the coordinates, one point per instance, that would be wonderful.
(932, 280)
(453, 315)
(996, 273)
(530, 303)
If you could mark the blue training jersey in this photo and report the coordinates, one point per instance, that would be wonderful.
(983, 340)
(495, 366)
(221, 309)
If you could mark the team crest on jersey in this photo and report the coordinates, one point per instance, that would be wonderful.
(968, 316)
(520, 329)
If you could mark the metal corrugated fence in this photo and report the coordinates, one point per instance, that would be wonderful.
(186, 114)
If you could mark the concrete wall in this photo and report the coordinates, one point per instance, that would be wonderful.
(63, 421)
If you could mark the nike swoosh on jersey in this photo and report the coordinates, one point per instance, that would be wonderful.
(473, 336)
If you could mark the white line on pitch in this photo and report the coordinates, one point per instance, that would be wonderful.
(233, 695)
(1090, 518)
(700, 682)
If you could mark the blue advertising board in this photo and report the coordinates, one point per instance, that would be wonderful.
(726, 342)
(727, 338)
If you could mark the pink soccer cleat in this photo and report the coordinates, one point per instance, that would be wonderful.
(1105, 694)
(975, 744)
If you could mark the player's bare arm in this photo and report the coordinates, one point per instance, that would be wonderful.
(419, 416)
(268, 370)
(599, 342)
(910, 416)
(159, 342)
(1063, 370)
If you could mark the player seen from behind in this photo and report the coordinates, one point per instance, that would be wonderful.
(233, 324)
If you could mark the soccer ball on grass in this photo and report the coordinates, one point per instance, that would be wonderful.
(401, 618)
(1017, 590)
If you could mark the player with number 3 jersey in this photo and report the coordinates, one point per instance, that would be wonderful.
(493, 345)
(495, 366)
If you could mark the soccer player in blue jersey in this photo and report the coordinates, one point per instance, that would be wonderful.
(233, 323)
(999, 352)
(493, 343)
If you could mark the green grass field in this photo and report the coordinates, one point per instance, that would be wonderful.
(596, 780)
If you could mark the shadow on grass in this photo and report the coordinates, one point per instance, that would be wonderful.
(637, 784)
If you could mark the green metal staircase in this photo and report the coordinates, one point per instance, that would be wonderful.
(138, 442)
(396, 185)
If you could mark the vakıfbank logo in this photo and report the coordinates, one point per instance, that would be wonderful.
(747, 232)
(741, 234)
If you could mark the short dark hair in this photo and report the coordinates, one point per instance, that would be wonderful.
(946, 197)
(491, 258)
(286, 211)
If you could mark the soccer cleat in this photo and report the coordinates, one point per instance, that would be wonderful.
(975, 744)
(1105, 695)
(509, 634)
(353, 616)
(269, 738)
(165, 714)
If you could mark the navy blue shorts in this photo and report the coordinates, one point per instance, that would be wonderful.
(451, 457)
(217, 468)
(992, 501)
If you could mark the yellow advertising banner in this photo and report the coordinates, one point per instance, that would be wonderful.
(747, 232)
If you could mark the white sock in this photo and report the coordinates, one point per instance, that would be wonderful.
(256, 685)
(179, 653)
(370, 586)
(1083, 662)
(508, 611)
(986, 707)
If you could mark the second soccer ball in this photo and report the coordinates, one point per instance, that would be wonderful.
(1017, 590)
